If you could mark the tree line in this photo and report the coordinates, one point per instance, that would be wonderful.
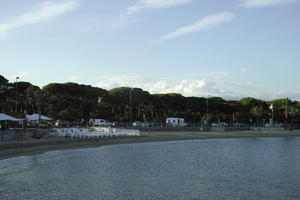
(77, 102)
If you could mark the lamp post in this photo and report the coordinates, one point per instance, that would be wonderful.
(206, 122)
(272, 107)
(207, 107)
(130, 100)
(286, 112)
(261, 115)
(16, 107)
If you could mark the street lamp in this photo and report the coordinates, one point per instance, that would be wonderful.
(261, 115)
(206, 122)
(286, 108)
(207, 106)
(16, 107)
(130, 100)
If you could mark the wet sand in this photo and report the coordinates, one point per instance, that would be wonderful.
(36, 146)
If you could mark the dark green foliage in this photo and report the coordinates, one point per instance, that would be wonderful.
(3, 81)
(74, 102)
(71, 101)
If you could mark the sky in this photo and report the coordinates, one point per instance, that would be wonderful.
(229, 48)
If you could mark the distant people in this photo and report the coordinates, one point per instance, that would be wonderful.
(2, 127)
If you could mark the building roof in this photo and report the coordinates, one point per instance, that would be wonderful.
(35, 117)
(5, 117)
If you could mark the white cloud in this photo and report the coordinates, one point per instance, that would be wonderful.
(123, 20)
(151, 85)
(128, 15)
(47, 11)
(244, 70)
(195, 87)
(264, 3)
(206, 23)
(154, 4)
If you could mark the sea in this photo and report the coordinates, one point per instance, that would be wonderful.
(213, 169)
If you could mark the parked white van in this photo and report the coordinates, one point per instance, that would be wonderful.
(175, 122)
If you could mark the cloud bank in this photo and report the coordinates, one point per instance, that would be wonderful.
(196, 87)
(47, 11)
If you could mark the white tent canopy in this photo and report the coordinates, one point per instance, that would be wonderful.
(35, 117)
(5, 117)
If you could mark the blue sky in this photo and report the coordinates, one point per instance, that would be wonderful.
(229, 48)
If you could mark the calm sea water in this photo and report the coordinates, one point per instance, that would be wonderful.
(207, 169)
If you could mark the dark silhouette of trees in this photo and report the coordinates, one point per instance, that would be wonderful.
(77, 102)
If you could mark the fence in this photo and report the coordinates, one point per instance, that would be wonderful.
(93, 132)
(22, 135)
(8, 136)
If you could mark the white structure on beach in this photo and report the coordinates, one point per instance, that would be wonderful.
(175, 122)
(94, 132)
(36, 117)
(99, 122)
(5, 117)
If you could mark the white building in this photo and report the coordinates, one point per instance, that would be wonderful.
(175, 122)
(99, 122)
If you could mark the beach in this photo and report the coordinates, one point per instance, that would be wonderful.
(37, 146)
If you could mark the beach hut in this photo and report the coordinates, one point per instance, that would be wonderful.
(36, 117)
(38, 120)
(5, 117)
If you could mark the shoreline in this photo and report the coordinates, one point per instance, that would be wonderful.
(38, 146)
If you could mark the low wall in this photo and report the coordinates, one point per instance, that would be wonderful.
(93, 132)
(21, 135)
(222, 129)
(8, 136)
(269, 129)
(172, 129)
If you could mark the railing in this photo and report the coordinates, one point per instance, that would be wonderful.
(19, 134)
(9, 136)
(93, 132)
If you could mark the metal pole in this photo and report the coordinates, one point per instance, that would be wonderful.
(16, 107)
(286, 112)
(261, 115)
(286, 109)
(206, 122)
(273, 117)
(130, 99)
(26, 99)
(207, 107)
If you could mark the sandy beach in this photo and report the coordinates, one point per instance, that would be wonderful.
(36, 146)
